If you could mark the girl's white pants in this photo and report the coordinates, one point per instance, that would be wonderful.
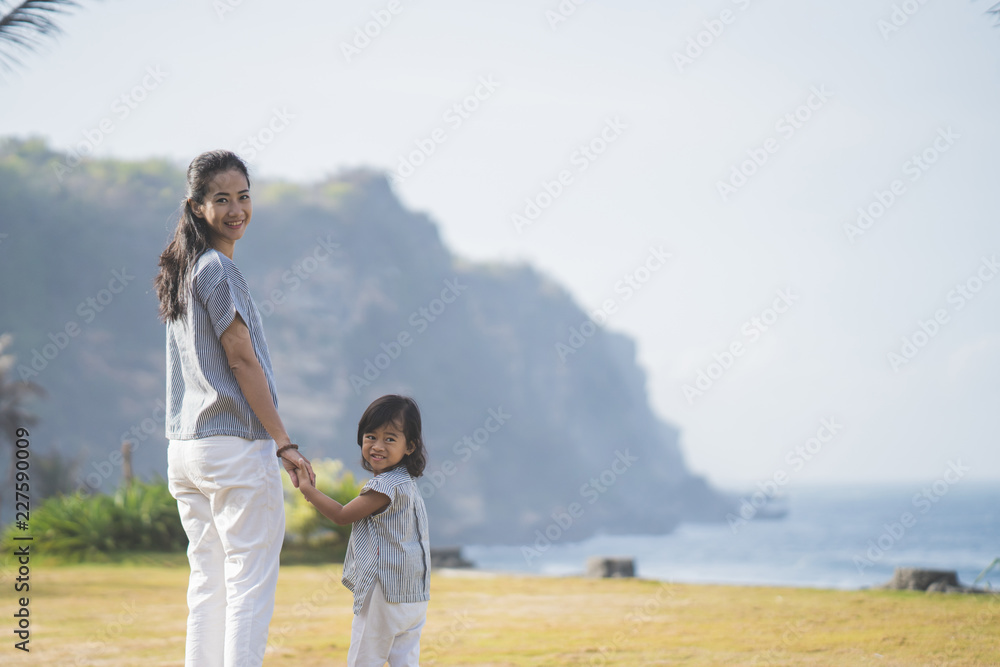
(386, 631)
(229, 497)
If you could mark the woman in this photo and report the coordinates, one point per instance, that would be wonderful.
(222, 421)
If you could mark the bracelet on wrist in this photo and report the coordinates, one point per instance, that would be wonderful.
(284, 447)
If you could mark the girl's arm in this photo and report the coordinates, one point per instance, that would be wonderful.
(362, 506)
(253, 383)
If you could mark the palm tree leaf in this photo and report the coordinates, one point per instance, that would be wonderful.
(24, 25)
(995, 11)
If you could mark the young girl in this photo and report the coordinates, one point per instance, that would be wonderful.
(388, 560)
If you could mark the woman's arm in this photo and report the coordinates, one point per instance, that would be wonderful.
(253, 383)
(362, 506)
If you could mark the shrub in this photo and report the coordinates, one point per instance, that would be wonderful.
(140, 517)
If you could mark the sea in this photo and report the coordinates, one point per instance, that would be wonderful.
(847, 537)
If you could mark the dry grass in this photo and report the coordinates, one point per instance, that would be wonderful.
(129, 615)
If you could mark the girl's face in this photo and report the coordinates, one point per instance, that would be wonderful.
(226, 209)
(384, 447)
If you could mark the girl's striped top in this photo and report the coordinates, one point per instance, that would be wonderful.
(391, 546)
(203, 397)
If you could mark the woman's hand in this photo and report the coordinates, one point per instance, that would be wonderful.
(298, 467)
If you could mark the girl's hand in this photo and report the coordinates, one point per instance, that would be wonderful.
(306, 479)
(298, 467)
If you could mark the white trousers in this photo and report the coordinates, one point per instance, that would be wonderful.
(229, 497)
(386, 631)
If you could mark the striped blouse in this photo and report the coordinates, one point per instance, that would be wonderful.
(391, 547)
(203, 397)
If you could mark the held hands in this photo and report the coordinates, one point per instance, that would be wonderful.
(298, 467)
(307, 479)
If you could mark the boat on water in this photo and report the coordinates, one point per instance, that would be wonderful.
(776, 507)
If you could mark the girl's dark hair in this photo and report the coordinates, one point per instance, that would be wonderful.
(401, 410)
(191, 236)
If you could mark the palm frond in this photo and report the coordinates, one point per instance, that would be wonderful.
(995, 11)
(24, 26)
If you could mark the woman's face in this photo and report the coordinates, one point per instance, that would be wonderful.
(226, 209)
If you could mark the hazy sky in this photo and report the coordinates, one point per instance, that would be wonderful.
(739, 136)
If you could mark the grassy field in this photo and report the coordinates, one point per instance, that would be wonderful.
(134, 614)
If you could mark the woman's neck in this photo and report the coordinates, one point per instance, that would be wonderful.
(225, 248)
